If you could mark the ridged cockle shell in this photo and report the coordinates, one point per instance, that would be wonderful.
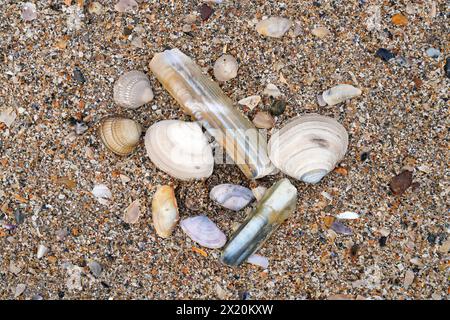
(164, 211)
(133, 90)
(225, 68)
(120, 135)
(274, 27)
(338, 94)
(308, 147)
(231, 196)
(180, 149)
(203, 231)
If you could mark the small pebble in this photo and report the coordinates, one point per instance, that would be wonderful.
(42, 250)
(29, 11)
(205, 12)
(78, 76)
(95, 268)
(251, 102)
(19, 289)
(263, 120)
(399, 20)
(384, 54)
(433, 53)
(401, 182)
(125, 5)
(272, 91)
(20, 216)
(382, 241)
(409, 279)
(277, 107)
(447, 67)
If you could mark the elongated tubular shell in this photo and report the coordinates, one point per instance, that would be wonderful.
(276, 206)
(164, 211)
(203, 99)
(308, 147)
(120, 135)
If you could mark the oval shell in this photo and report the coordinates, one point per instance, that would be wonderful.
(180, 149)
(231, 196)
(133, 90)
(203, 231)
(225, 68)
(120, 135)
(308, 147)
(164, 211)
(339, 94)
(274, 27)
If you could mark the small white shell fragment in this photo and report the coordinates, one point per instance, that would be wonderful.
(320, 32)
(327, 195)
(225, 68)
(251, 102)
(42, 250)
(348, 215)
(29, 11)
(373, 21)
(102, 193)
(132, 212)
(272, 90)
(258, 260)
(125, 5)
(339, 94)
(19, 289)
(124, 178)
(8, 116)
(259, 192)
(231, 196)
(409, 279)
(384, 232)
(424, 168)
(274, 27)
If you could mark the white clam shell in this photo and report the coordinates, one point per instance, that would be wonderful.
(231, 196)
(308, 147)
(225, 68)
(203, 231)
(120, 135)
(133, 90)
(274, 27)
(339, 94)
(164, 211)
(180, 149)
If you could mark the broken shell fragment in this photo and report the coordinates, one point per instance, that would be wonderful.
(125, 5)
(42, 251)
(258, 260)
(164, 211)
(250, 102)
(263, 120)
(102, 193)
(132, 212)
(274, 27)
(180, 149)
(120, 135)
(231, 196)
(338, 94)
(308, 147)
(276, 206)
(271, 90)
(225, 68)
(202, 98)
(29, 11)
(203, 231)
(320, 32)
(133, 90)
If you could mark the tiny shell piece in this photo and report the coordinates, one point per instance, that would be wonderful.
(272, 91)
(339, 94)
(102, 193)
(231, 196)
(132, 212)
(29, 11)
(274, 27)
(8, 116)
(263, 120)
(125, 5)
(258, 260)
(320, 32)
(225, 68)
(164, 211)
(203, 231)
(348, 215)
(42, 250)
(251, 102)
(341, 228)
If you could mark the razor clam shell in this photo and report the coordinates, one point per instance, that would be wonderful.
(308, 147)
(274, 27)
(203, 231)
(132, 90)
(164, 211)
(339, 94)
(231, 196)
(202, 98)
(180, 149)
(276, 206)
(120, 135)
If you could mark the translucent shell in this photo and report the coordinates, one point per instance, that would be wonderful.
(274, 27)
(180, 149)
(132, 90)
(120, 135)
(164, 211)
(308, 147)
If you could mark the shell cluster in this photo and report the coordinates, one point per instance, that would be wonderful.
(308, 147)
(120, 135)
(180, 149)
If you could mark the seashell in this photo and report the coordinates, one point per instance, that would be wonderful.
(164, 211)
(271, 90)
(120, 135)
(132, 212)
(348, 215)
(259, 192)
(263, 120)
(341, 228)
(41, 251)
(202, 98)
(258, 260)
(133, 90)
(225, 68)
(125, 5)
(203, 231)
(102, 193)
(95, 8)
(338, 94)
(29, 11)
(180, 149)
(8, 116)
(250, 102)
(276, 206)
(231, 196)
(308, 147)
(320, 32)
(274, 27)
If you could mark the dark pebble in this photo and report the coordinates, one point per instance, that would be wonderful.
(382, 241)
(244, 295)
(431, 238)
(277, 107)
(354, 250)
(364, 156)
(78, 76)
(61, 294)
(205, 12)
(384, 54)
(20, 217)
(401, 182)
(447, 67)
(127, 31)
